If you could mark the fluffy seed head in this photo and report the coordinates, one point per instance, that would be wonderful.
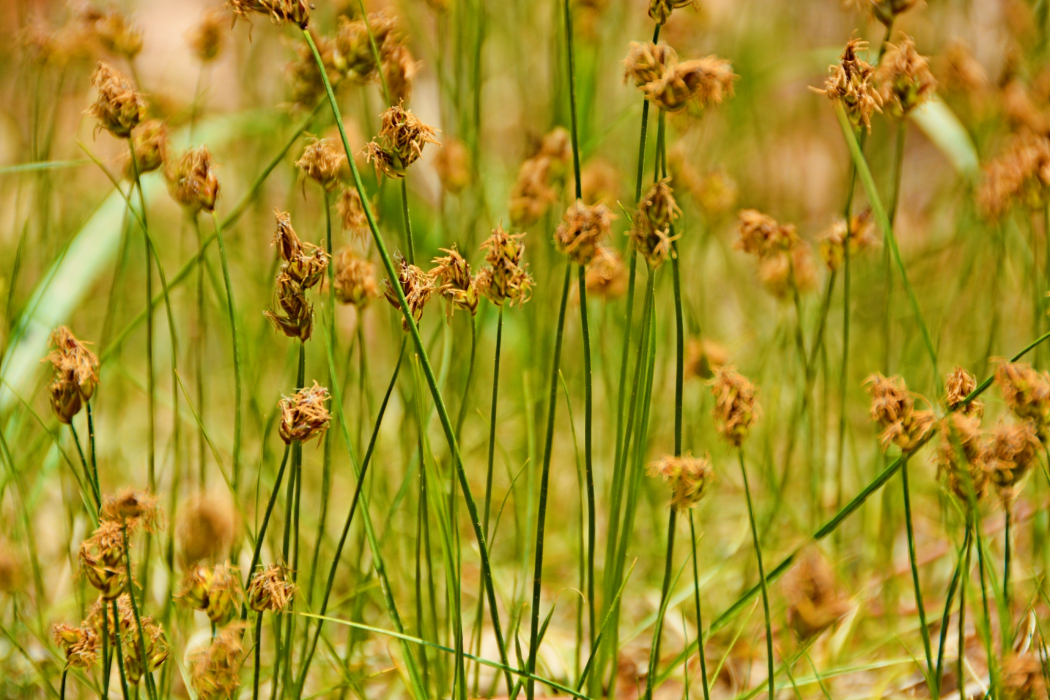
(304, 262)
(1011, 453)
(156, 647)
(114, 31)
(957, 387)
(355, 279)
(304, 415)
(399, 69)
(859, 238)
(707, 81)
(607, 275)
(582, 229)
(206, 38)
(532, 193)
(506, 277)
(352, 213)
(294, 314)
(355, 49)
(647, 62)
(279, 11)
(205, 530)
(417, 286)
(736, 405)
(400, 142)
(960, 457)
(1019, 177)
(851, 82)
(893, 408)
(119, 107)
(687, 476)
(151, 148)
(652, 221)
(904, 78)
(215, 591)
(192, 181)
(454, 281)
(322, 161)
(762, 236)
(136, 509)
(80, 645)
(1026, 392)
(271, 589)
(215, 671)
(75, 374)
(452, 164)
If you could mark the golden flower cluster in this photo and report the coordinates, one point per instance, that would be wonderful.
(303, 267)
(453, 281)
(270, 589)
(206, 37)
(851, 83)
(304, 415)
(784, 261)
(79, 644)
(192, 181)
(582, 229)
(400, 142)
(904, 78)
(296, 12)
(322, 161)
(119, 107)
(355, 279)
(152, 640)
(534, 190)
(1018, 177)
(506, 277)
(417, 286)
(893, 407)
(607, 275)
(215, 671)
(736, 405)
(859, 238)
(75, 374)
(150, 141)
(688, 477)
(352, 213)
(671, 84)
(214, 591)
(652, 223)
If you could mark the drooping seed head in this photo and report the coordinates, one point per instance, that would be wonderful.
(647, 62)
(150, 140)
(206, 38)
(582, 229)
(75, 374)
(506, 279)
(192, 181)
(958, 386)
(417, 286)
(736, 405)
(271, 589)
(688, 477)
(851, 82)
(454, 281)
(304, 415)
(79, 644)
(322, 161)
(304, 262)
(119, 107)
(355, 279)
(706, 81)
(294, 313)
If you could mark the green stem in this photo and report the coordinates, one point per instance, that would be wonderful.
(120, 651)
(231, 310)
(198, 351)
(947, 616)
(143, 658)
(537, 580)
(91, 449)
(261, 536)
(87, 470)
(762, 578)
(654, 654)
(699, 619)
(1007, 546)
(923, 628)
(258, 655)
(961, 671)
(408, 222)
(588, 461)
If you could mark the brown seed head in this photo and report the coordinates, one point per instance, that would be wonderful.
(784, 271)
(454, 281)
(582, 229)
(762, 236)
(205, 530)
(322, 161)
(653, 219)
(352, 213)
(958, 386)
(400, 142)
(80, 645)
(136, 509)
(904, 78)
(607, 275)
(156, 647)
(279, 11)
(1018, 177)
(355, 279)
(599, 181)
(960, 458)
(304, 415)
(704, 357)
(101, 560)
(215, 671)
(399, 69)
(192, 181)
(75, 374)
(224, 593)
(206, 38)
(506, 278)
(304, 262)
(706, 80)
(354, 48)
(736, 405)
(294, 314)
(270, 589)
(1022, 677)
(861, 237)
(417, 286)
(1026, 392)
(893, 408)
(151, 148)
(815, 600)
(114, 31)
(687, 476)
(452, 164)
(1010, 454)
(304, 79)
(646, 63)
(532, 193)
(850, 81)
(119, 107)
(660, 10)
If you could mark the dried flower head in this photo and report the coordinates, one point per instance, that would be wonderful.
(80, 644)
(399, 69)
(215, 671)
(1011, 452)
(224, 592)
(960, 457)
(400, 142)
(453, 166)
(784, 271)
(192, 181)
(352, 213)
(687, 476)
(532, 193)
(506, 278)
(271, 589)
(582, 229)
(294, 315)
(150, 140)
(904, 78)
(850, 81)
(454, 281)
(706, 81)
(861, 237)
(762, 236)
(417, 286)
(704, 357)
(304, 79)
(102, 560)
(599, 181)
(304, 262)
(736, 405)
(279, 11)
(206, 38)
(1026, 392)
(156, 646)
(354, 47)
(715, 192)
(607, 275)
(136, 509)
(304, 415)
(114, 31)
(893, 408)
(205, 530)
(119, 107)
(962, 71)
(815, 600)
(652, 222)
(322, 161)
(958, 386)
(647, 62)
(75, 374)
(355, 279)
(660, 10)
(1018, 177)
(1022, 677)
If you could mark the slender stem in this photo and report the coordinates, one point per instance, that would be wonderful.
(143, 658)
(1007, 546)
(198, 352)
(923, 628)
(232, 311)
(91, 450)
(408, 222)
(62, 687)
(261, 536)
(654, 654)
(117, 645)
(961, 671)
(107, 660)
(699, 619)
(946, 617)
(761, 577)
(537, 581)
(258, 655)
(588, 461)
(87, 470)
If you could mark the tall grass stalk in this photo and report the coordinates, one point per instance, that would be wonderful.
(699, 618)
(761, 577)
(231, 309)
(198, 362)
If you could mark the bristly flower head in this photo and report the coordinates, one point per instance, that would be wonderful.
(860, 237)
(660, 10)
(205, 529)
(399, 69)
(192, 181)
(850, 81)
(904, 78)
(959, 385)
(119, 107)
(893, 407)
(736, 405)
(354, 46)
(355, 279)
(453, 165)
(80, 644)
(607, 274)
(215, 671)
(75, 374)
(647, 62)
(322, 162)
(151, 148)
(1018, 177)
(352, 213)
(271, 589)
(455, 282)
(687, 476)
(961, 459)
(304, 262)
(279, 11)
(102, 560)
(400, 142)
(1026, 392)
(707, 81)
(206, 38)
(136, 509)
(417, 286)
(762, 236)
(651, 232)
(1011, 453)
(506, 278)
(156, 647)
(295, 314)
(113, 30)
(214, 591)
(304, 415)
(582, 229)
